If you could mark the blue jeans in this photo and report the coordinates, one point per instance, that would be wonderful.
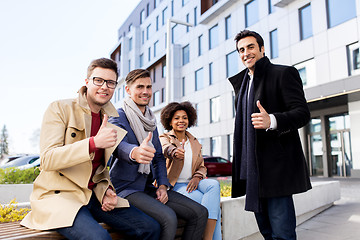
(208, 195)
(131, 221)
(277, 219)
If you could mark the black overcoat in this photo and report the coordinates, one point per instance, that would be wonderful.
(282, 169)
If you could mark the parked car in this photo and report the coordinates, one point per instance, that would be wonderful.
(21, 161)
(217, 166)
(11, 158)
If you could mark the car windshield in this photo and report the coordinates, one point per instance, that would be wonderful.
(21, 161)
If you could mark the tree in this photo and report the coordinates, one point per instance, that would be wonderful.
(4, 146)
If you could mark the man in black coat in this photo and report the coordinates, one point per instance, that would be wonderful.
(269, 165)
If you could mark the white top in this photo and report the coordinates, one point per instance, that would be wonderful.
(185, 174)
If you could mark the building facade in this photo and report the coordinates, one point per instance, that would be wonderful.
(319, 37)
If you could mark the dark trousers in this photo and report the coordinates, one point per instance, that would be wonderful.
(193, 213)
(134, 223)
(277, 219)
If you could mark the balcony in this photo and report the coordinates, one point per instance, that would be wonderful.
(215, 10)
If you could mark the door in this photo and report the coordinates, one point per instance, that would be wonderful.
(315, 148)
(341, 158)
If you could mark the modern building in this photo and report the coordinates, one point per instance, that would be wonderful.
(319, 37)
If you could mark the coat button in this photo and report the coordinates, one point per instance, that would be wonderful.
(73, 134)
(57, 191)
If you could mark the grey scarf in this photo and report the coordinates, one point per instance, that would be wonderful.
(141, 125)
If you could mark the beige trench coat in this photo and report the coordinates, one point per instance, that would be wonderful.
(61, 189)
(169, 143)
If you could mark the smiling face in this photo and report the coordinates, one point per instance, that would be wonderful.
(250, 52)
(98, 96)
(140, 92)
(179, 121)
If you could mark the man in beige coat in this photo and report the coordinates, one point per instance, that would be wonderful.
(73, 191)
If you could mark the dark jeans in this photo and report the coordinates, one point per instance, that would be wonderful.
(134, 223)
(278, 219)
(192, 212)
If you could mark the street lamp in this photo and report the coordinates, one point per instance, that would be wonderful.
(168, 81)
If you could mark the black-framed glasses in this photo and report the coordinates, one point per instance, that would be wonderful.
(109, 83)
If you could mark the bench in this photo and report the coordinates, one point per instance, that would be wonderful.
(14, 230)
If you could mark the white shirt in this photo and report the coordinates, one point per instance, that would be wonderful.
(185, 174)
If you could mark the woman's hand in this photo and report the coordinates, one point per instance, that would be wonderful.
(179, 152)
(193, 184)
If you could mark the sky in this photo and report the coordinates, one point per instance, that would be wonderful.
(45, 48)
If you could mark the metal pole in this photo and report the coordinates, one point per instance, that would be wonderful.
(168, 82)
(167, 78)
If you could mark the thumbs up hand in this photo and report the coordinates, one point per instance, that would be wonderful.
(106, 137)
(260, 120)
(144, 153)
(179, 152)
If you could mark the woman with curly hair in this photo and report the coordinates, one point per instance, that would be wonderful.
(185, 164)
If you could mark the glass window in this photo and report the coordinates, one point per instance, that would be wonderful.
(149, 54)
(154, 75)
(213, 37)
(215, 109)
(172, 8)
(175, 33)
(228, 30)
(130, 27)
(302, 73)
(142, 16)
(251, 13)
(215, 146)
(233, 104)
(130, 44)
(305, 22)
(353, 58)
(187, 20)
(156, 98)
(339, 11)
(210, 73)
(195, 16)
(186, 54)
(129, 62)
(142, 37)
(271, 6)
(199, 79)
(156, 3)
(274, 45)
(156, 48)
(147, 9)
(165, 15)
(157, 23)
(200, 45)
(148, 29)
(307, 72)
(232, 65)
(163, 95)
(163, 71)
(141, 60)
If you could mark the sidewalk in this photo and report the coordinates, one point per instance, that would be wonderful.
(339, 222)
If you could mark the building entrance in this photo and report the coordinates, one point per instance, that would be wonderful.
(329, 146)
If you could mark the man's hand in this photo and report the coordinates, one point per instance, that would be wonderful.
(180, 151)
(260, 120)
(109, 201)
(161, 194)
(144, 153)
(106, 137)
(193, 184)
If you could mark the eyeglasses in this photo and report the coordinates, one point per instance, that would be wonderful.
(109, 83)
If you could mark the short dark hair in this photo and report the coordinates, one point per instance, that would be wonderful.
(136, 74)
(247, 33)
(167, 113)
(102, 63)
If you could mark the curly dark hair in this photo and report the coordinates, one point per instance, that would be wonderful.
(167, 113)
